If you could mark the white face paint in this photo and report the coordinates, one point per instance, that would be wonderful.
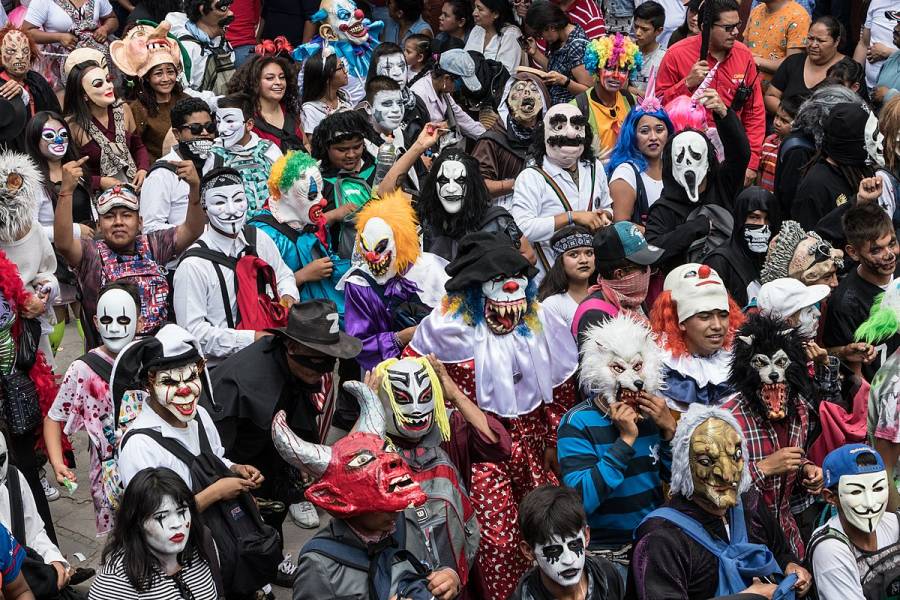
(167, 530)
(4, 460)
(226, 208)
(231, 126)
(178, 389)
(564, 134)
(117, 319)
(303, 203)
(690, 162)
(809, 322)
(562, 558)
(874, 141)
(377, 248)
(451, 186)
(387, 110)
(864, 499)
(393, 66)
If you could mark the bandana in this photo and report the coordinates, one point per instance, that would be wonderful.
(221, 180)
(570, 242)
(630, 291)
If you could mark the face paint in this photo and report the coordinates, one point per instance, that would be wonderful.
(303, 203)
(757, 238)
(117, 315)
(226, 208)
(413, 415)
(54, 140)
(564, 134)
(864, 499)
(178, 390)
(505, 303)
(377, 247)
(525, 100)
(773, 377)
(809, 322)
(393, 66)
(98, 87)
(387, 109)
(451, 185)
(613, 79)
(562, 558)
(231, 126)
(690, 162)
(16, 54)
(717, 462)
(4, 460)
(874, 141)
(166, 530)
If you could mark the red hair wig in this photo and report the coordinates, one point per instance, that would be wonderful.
(35, 51)
(664, 323)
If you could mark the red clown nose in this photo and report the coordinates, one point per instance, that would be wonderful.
(372, 256)
(359, 14)
(510, 286)
(183, 391)
(704, 271)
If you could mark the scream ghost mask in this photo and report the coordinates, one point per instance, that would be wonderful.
(231, 126)
(562, 558)
(295, 185)
(874, 142)
(15, 53)
(225, 201)
(116, 319)
(167, 529)
(565, 130)
(451, 185)
(525, 100)
(413, 398)
(393, 66)
(690, 162)
(388, 109)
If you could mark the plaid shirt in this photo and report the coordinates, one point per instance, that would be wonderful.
(762, 441)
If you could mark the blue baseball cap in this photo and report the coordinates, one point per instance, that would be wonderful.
(843, 461)
(624, 240)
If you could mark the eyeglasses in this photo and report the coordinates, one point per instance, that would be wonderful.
(730, 28)
(197, 128)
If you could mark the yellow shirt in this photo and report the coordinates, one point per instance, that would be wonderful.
(606, 122)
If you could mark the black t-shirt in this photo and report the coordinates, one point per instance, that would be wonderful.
(848, 307)
(821, 191)
(789, 76)
(287, 18)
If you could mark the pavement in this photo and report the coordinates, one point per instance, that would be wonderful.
(73, 516)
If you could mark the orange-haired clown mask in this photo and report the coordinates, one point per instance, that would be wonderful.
(378, 249)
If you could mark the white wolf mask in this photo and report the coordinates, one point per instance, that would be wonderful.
(20, 182)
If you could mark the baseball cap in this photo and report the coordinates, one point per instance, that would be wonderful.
(458, 62)
(121, 195)
(783, 297)
(843, 461)
(624, 240)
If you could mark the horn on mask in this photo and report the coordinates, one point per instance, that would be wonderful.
(310, 458)
(371, 412)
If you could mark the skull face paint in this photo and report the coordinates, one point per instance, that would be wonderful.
(874, 141)
(393, 66)
(564, 134)
(98, 87)
(377, 247)
(116, 319)
(562, 558)
(167, 530)
(54, 140)
(226, 208)
(451, 185)
(231, 126)
(757, 238)
(864, 499)
(388, 109)
(16, 54)
(413, 398)
(505, 302)
(690, 162)
(525, 100)
(773, 377)
(178, 389)
(717, 462)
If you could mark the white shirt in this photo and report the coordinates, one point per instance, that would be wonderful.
(35, 534)
(438, 104)
(563, 306)
(142, 452)
(45, 216)
(535, 204)
(504, 48)
(651, 186)
(198, 301)
(164, 197)
(314, 112)
(881, 30)
(47, 15)
(834, 562)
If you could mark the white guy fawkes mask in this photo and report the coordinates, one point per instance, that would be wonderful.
(226, 208)
(864, 499)
(413, 416)
(809, 322)
(874, 141)
(167, 529)
(387, 109)
(505, 302)
(564, 134)
(231, 126)
(116, 319)
(54, 140)
(303, 203)
(178, 389)
(451, 186)
(562, 558)
(525, 100)
(690, 162)
(4, 460)
(393, 66)
(378, 250)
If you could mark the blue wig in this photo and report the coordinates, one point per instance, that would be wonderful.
(468, 304)
(626, 149)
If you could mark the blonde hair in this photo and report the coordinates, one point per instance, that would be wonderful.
(437, 393)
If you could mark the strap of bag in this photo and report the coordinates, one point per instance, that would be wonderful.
(691, 527)
(98, 365)
(581, 101)
(16, 507)
(282, 228)
(349, 556)
(557, 190)
(180, 452)
(641, 204)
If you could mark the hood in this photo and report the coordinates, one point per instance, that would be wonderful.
(521, 75)
(178, 21)
(671, 188)
(751, 199)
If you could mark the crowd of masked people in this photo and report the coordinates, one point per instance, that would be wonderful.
(574, 299)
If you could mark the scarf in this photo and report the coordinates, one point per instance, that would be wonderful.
(518, 135)
(628, 292)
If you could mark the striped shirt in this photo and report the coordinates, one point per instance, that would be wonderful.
(587, 14)
(619, 484)
(195, 580)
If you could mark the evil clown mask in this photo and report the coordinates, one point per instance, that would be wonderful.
(167, 529)
(564, 134)
(562, 558)
(874, 142)
(717, 463)
(505, 302)
(376, 246)
(412, 396)
(16, 54)
(117, 317)
(388, 109)
(525, 100)
(451, 185)
(690, 162)
(98, 87)
(393, 66)
(296, 186)
(177, 389)
(864, 499)
(619, 359)
(225, 202)
(343, 21)
(231, 126)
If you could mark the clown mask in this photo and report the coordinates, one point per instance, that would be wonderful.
(16, 54)
(178, 389)
(377, 247)
(344, 22)
(302, 204)
(564, 134)
(451, 185)
(690, 162)
(226, 207)
(874, 142)
(695, 289)
(167, 530)
(562, 558)
(231, 126)
(116, 318)
(717, 463)
(412, 405)
(54, 140)
(98, 87)
(388, 109)
(505, 302)
(525, 100)
(864, 498)
(773, 377)
(393, 66)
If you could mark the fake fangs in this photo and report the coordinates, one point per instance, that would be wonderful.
(503, 317)
(629, 397)
(380, 266)
(415, 423)
(401, 482)
(774, 395)
(357, 30)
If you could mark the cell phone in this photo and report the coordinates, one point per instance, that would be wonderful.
(523, 41)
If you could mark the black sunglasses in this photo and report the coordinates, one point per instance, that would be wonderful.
(197, 128)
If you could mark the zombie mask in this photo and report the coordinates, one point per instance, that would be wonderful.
(525, 100)
(376, 245)
(874, 142)
(803, 256)
(388, 109)
(696, 288)
(296, 198)
(177, 389)
(451, 185)
(167, 529)
(98, 87)
(231, 126)
(343, 21)
(411, 392)
(716, 462)
(562, 558)
(505, 302)
(54, 140)
(864, 499)
(619, 359)
(225, 202)
(393, 66)
(690, 162)
(117, 317)
(143, 48)
(16, 54)
(564, 134)
(361, 473)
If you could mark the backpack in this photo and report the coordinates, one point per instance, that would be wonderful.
(492, 76)
(142, 270)
(219, 65)
(249, 550)
(721, 225)
(641, 203)
(258, 308)
(283, 228)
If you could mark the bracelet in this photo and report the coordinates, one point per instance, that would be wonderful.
(569, 217)
(568, 82)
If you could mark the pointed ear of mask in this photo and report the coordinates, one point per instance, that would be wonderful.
(746, 339)
(324, 495)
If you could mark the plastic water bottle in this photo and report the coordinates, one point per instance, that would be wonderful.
(384, 160)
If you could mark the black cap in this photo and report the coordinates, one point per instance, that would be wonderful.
(624, 240)
(483, 256)
(13, 117)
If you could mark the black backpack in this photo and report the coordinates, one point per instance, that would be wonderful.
(721, 226)
(492, 76)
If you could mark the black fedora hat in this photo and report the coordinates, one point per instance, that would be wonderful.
(482, 256)
(314, 324)
(13, 117)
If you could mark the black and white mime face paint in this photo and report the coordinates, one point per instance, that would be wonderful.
(562, 558)
(451, 185)
(387, 109)
(116, 319)
(393, 66)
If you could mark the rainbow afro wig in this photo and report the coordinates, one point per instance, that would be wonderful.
(613, 52)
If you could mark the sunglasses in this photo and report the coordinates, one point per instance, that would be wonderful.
(198, 128)
(729, 28)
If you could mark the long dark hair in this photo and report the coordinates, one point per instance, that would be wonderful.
(316, 78)
(503, 8)
(33, 139)
(246, 80)
(556, 281)
(75, 106)
(475, 204)
(146, 95)
(141, 499)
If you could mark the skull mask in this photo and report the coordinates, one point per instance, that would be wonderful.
(564, 134)
(874, 142)
(376, 245)
(690, 162)
(451, 185)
